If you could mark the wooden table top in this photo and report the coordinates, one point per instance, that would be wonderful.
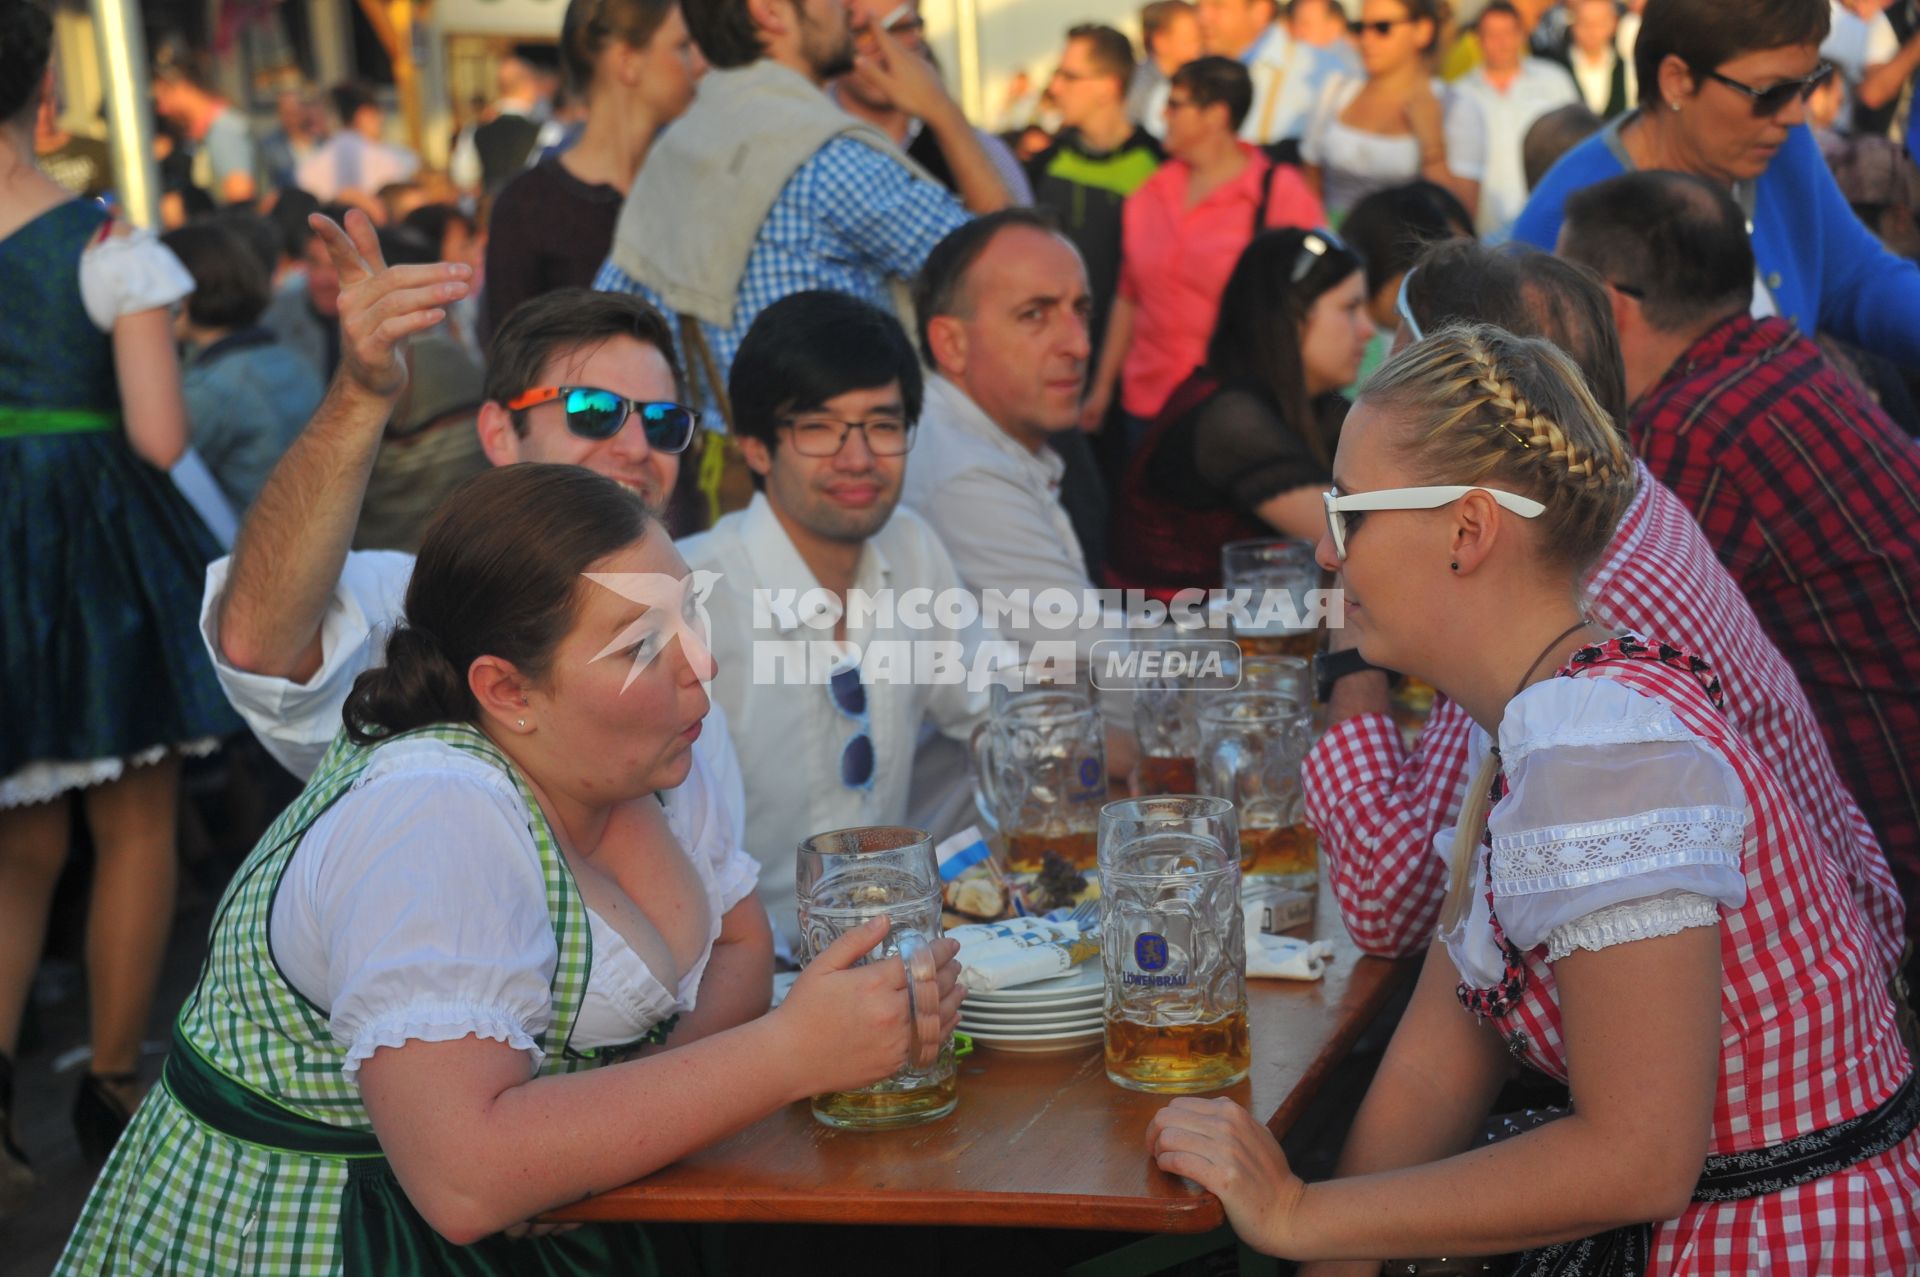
(1036, 1141)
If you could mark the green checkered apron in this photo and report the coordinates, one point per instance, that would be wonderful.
(254, 1155)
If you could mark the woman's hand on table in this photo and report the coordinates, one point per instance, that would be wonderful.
(846, 1024)
(1218, 1145)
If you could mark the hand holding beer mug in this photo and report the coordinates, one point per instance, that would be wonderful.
(1040, 768)
(1251, 748)
(847, 879)
(1261, 572)
(1172, 944)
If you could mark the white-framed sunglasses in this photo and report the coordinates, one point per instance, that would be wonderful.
(1339, 506)
(1406, 311)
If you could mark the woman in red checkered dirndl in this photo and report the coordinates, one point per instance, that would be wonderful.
(1637, 906)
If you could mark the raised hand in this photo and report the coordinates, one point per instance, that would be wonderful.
(1218, 1145)
(907, 79)
(380, 305)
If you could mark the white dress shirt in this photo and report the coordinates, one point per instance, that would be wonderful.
(1596, 80)
(788, 730)
(1287, 77)
(1506, 115)
(996, 507)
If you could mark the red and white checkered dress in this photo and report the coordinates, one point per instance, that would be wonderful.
(1377, 807)
(1808, 1037)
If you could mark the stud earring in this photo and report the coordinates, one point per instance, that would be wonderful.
(523, 722)
(1454, 566)
(1674, 105)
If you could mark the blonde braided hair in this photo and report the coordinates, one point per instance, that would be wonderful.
(1481, 405)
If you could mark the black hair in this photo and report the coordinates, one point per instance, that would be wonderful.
(566, 319)
(1528, 293)
(349, 100)
(1215, 80)
(259, 234)
(1677, 240)
(230, 288)
(810, 347)
(404, 246)
(26, 43)
(499, 574)
(1256, 335)
(432, 221)
(1109, 50)
(1706, 34)
(291, 209)
(725, 31)
(1390, 229)
(940, 289)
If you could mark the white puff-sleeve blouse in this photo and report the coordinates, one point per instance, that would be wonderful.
(1618, 825)
(415, 909)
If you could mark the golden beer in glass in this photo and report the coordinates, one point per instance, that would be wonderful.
(1251, 748)
(1173, 945)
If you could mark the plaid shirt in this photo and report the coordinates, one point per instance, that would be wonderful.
(848, 220)
(1811, 497)
(1377, 806)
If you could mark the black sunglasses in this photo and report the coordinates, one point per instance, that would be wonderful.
(598, 414)
(1381, 27)
(1774, 99)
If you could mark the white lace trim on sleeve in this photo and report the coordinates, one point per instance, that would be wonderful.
(1559, 857)
(1664, 915)
(436, 1021)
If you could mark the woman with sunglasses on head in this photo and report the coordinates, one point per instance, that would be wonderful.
(1723, 92)
(1244, 446)
(429, 1012)
(1636, 906)
(1397, 123)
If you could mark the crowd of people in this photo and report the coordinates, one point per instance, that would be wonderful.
(1580, 339)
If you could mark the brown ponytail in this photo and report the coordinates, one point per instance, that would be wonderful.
(499, 574)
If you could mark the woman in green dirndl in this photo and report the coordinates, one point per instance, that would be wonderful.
(427, 1016)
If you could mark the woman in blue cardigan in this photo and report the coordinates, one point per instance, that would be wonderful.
(1723, 88)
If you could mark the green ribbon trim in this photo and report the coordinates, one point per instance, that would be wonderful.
(220, 1102)
(24, 423)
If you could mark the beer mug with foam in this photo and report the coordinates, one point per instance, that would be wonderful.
(1272, 579)
(1251, 748)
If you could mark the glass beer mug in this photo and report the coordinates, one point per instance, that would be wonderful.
(1251, 748)
(845, 878)
(1261, 568)
(1173, 945)
(1040, 773)
(1164, 723)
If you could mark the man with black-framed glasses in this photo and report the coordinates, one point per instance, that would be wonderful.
(831, 604)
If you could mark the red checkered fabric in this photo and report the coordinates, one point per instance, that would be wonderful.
(1811, 497)
(1377, 806)
(1807, 1037)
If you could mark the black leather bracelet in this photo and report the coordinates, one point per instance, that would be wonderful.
(1330, 667)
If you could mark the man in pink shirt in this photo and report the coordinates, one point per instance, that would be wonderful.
(1377, 805)
(1181, 234)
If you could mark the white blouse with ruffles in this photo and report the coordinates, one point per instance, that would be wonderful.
(415, 909)
(1618, 825)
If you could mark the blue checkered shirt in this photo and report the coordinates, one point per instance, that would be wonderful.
(847, 220)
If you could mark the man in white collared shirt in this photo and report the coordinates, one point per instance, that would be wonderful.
(1003, 305)
(832, 619)
(1287, 73)
(1512, 90)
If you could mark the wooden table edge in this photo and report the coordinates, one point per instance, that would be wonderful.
(1198, 1213)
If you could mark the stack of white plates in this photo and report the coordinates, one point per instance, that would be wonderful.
(1049, 1015)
